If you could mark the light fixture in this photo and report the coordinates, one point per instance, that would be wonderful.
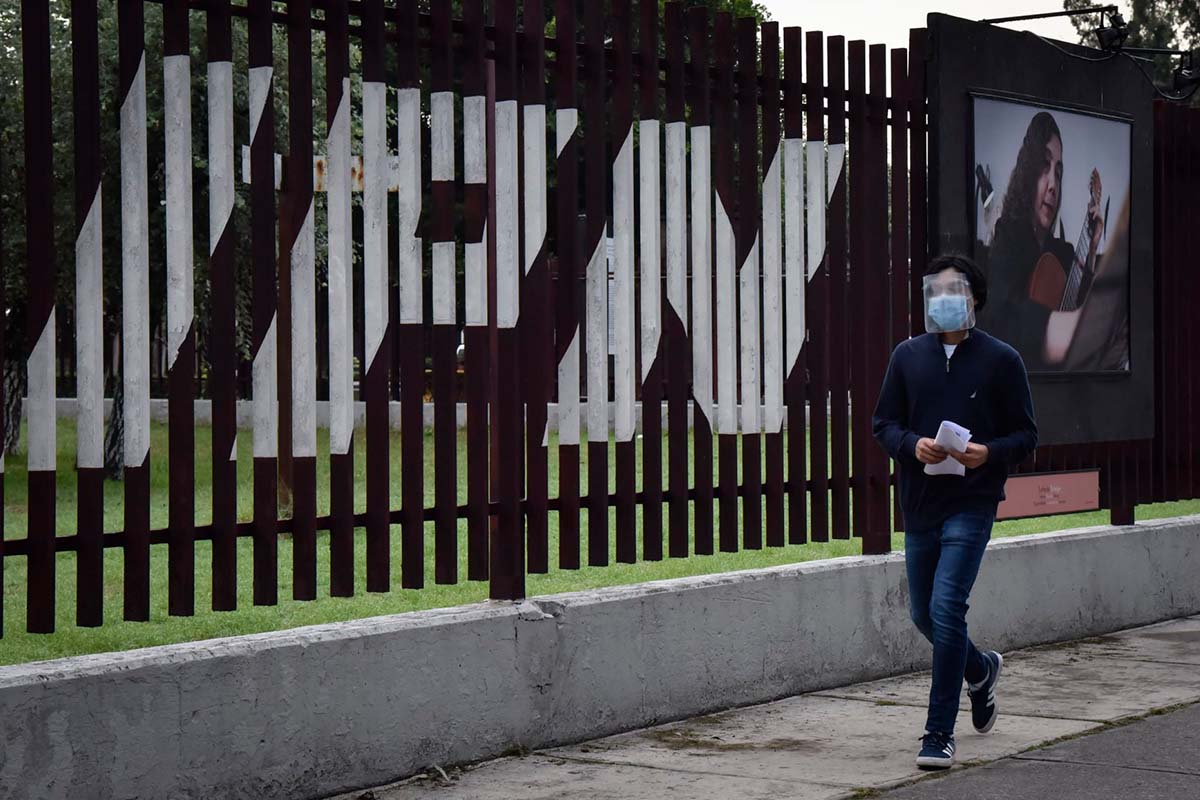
(1112, 37)
(1187, 74)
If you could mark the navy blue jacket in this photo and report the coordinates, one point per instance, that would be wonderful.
(984, 388)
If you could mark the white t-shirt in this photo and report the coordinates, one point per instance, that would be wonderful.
(949, 348)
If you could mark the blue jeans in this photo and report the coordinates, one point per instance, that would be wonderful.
(942, 564)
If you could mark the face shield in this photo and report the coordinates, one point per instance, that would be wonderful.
(949, 305)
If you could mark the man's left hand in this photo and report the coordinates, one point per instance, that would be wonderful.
(976, 456)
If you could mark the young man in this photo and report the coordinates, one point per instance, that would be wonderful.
(961, 375)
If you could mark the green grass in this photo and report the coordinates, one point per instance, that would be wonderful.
(17, 646)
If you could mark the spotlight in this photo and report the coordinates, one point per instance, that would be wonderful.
(1112, 37)
(1186, 76)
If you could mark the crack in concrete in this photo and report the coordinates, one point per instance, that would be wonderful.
(716, 773)
(922, 705)
(1083, 763)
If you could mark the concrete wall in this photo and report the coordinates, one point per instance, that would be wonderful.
(313, 711)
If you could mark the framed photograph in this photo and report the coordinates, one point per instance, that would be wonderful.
(1041, 168)
(1051, 195)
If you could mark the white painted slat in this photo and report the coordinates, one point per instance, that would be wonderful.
(408, 124)
(534, 181)
(623, 297)
(676, 233)
(375, 212)
(727, 321)
(772, 294)
(475, 171)
(749, 280)
(567, 120)
(795, 277)
(177, 124)
(89, 339)
(341, 280)
(837, 161)
(442, 169)
(40, 411)
(702, 193)
(304, 340)
(596, 324)
(507, 227)
(650, 241)
(135, 274)
(263, 370)
(814, 152)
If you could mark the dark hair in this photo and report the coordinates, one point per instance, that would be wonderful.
(975, 276)
(1018, 199)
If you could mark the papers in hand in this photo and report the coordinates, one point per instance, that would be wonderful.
(952, 437)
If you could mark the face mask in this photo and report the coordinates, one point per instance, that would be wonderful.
(948, 312)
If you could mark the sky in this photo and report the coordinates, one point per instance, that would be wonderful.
(888, 21)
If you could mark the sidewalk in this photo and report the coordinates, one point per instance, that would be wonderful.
(861, 741)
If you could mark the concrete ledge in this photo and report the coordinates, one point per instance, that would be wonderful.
(319, 710)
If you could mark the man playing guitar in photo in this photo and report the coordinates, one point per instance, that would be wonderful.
(1039, 281)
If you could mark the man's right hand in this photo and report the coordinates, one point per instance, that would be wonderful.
(928, 452)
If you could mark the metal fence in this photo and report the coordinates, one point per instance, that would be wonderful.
(766, 197)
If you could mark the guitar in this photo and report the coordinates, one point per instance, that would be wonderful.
(1054, 287)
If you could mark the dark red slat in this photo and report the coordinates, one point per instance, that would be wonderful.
(809, 381)
(860, 254)
(723, 133)
(772, 150)
(837, 327)
(137, 478)
(3, 430)
(652, 388)
(702, 435)
(1162, 258)
(536, 327)
(1169, 343)
(676, 344)
(597, 164)
(444, 337)
(341, 465)
(181, 470)
(85, 66)
(794, 377)
(410, 337)
(475, 336)
(745, 235)
(299, 191)
(621, 121)
(566, 242)
(1187, 218)
(1191, 208)
(900, 281)
(508, 551)
(39, 312)
(877, 535)
(262, 247)
(917, 178)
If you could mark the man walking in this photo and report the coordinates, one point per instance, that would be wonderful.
(960, 375)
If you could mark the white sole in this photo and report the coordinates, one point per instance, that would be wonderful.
(929, 762)
(995, 708)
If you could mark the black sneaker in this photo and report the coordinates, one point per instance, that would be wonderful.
(937, 751)
(983, 694)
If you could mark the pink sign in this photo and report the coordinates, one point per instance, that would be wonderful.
(1048, 493)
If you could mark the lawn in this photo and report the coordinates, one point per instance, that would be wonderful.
(18, 646)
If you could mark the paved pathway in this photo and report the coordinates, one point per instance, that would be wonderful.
(861, 741)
